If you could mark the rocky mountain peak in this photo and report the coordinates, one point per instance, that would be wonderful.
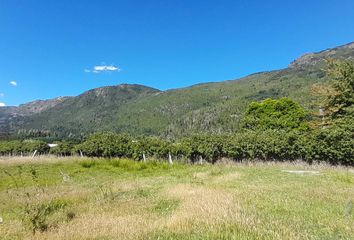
(310, 59)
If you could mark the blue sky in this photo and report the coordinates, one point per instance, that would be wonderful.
(53, 48)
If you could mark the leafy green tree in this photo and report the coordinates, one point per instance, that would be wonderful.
(106, 145)
(63, 149)
(336, 96)
(340, 101)
(29, 146)
(282, 113)
(22, 147)
(207, 147)
(151, 147)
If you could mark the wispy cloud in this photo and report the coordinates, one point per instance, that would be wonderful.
(13, 83)
(103, 68)
(2, 104)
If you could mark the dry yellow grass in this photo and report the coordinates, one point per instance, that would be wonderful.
(201, 204)
(253, 201)
(43, 159)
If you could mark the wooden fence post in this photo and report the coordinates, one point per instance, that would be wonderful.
(200, 160)
(34, 154)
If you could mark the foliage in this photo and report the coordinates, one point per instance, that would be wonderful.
(106, 145)
(340, 102)
(22, 147)
(275, 114)
(334, 145)
(34, 215)
(63, 148)
(208, 147)
(150, 146)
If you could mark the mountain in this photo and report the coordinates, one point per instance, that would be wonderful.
(90, 111)
(136, 109)
(10, 115)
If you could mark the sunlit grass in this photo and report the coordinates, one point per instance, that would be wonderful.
(125, 199)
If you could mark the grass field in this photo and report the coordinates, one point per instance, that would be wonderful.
(121, 199)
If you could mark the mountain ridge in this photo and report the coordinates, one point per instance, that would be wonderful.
(305, 55)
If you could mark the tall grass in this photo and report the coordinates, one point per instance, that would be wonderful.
(125, 199)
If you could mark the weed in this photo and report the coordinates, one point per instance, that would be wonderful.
(88, 163)
(104, 192)
(35, 215)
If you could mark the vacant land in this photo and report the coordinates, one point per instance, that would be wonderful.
(122, 199)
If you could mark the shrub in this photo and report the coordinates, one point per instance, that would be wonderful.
(63, 149)
(106, 145)
(275, 114)
(22, 147)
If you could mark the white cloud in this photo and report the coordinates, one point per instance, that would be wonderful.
(103, 68)
(13, 83)
(2, 104)
(112, 68)
(106, 68)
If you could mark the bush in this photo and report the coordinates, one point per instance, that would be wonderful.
(22, 147)
(63, 149)
(106, 145)
(335, 145)
(207, 147)
(275, 114)
(151, 146)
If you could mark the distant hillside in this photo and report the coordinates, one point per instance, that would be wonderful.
(91, 111)
(136, 109)
(9, 116)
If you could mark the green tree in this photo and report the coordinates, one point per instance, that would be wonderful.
(339, 102)
(63, 148)
(282, 113)
(106, 145)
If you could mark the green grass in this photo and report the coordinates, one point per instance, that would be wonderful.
(166, 206)
(124, 199)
